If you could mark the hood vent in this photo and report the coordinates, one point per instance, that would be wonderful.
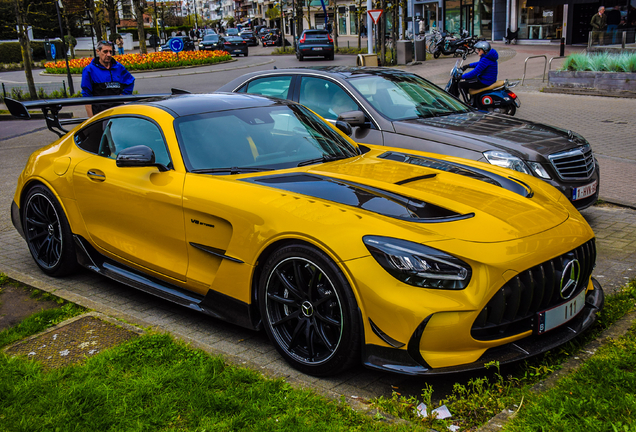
(360, 196)
(464, 170)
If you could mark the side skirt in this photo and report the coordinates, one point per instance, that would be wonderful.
(215, 304)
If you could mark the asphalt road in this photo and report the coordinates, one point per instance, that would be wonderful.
(608, 123)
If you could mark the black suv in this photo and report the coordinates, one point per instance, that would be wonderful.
(315, 43)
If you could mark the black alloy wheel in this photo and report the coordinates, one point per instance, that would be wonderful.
(47, 232)
(309, 311)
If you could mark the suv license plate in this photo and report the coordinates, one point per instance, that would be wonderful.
(584, 191)
(317, 49)
(561, 314)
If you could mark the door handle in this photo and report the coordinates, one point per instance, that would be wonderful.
(96, 175)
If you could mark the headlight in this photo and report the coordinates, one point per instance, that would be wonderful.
(538, 170)
(419, 265)
(506, 160)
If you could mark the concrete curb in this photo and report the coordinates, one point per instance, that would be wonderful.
(589, 92)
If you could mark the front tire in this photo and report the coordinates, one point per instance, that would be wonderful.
(48, 233)
(309, 311)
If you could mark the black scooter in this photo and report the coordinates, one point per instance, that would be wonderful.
(459, 47)
(495, 98)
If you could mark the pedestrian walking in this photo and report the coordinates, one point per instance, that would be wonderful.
(599, 24)
(104, 76)
(120, 45)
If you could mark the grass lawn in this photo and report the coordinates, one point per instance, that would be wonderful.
(153, 382)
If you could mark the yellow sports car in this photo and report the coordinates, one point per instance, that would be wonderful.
(258, 212)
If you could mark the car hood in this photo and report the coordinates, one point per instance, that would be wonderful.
(481, 132)
(457, 199)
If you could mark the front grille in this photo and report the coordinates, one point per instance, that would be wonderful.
(512, 310)
(576, 164)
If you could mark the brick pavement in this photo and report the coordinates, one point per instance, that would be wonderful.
(615, 227)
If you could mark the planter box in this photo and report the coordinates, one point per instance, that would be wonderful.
(605, 81)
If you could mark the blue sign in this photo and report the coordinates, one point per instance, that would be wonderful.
(176, 44)
(53, 51)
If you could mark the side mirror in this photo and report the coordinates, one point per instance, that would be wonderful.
(138, 156)
(344, 127)
(354, 118)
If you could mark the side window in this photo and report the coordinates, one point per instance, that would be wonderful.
(89, 138)
(123, 132)
(274, 86)
(325, 98)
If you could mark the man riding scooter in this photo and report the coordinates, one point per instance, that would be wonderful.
(480, 87)
(484, 73)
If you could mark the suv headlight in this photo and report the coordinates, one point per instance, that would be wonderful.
(538, 170)
(506, 160)
(419, 265)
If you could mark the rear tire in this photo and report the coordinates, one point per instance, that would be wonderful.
(48, 233)
(309, 311)
(436, 54)
(300, 57)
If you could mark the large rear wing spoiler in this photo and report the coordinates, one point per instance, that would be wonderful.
(51, 107)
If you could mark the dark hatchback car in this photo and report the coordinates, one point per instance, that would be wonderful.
(211, 42)
(234, 45)
(249, 37)
(399, 109)
(315, 43)
(188, 44)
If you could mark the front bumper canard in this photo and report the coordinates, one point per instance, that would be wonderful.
(404, 361)
(16, 219)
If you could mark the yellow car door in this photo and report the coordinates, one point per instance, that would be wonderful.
(133, 213)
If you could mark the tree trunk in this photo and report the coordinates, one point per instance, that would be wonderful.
(111, 7)
(94, 20)
(382, 32)
(359, 12)
(404, 5)
(308, 14)
(139, 13)
(25, 48)
(68, 32)
(335, 25)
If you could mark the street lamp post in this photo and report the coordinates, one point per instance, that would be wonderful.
(68, 69)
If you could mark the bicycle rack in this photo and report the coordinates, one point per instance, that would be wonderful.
(550, 62)
(545, 65)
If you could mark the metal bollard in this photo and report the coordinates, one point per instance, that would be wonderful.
(64, 87)
(4, 91)
(562, 48)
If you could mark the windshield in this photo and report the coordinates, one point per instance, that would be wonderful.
(406, 96)
(211, 38)
(264, 138)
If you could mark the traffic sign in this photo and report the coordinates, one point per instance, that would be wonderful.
(176, 45)
(53, 50)
(375, 14)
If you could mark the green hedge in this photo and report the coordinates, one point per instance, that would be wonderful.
(10, 51)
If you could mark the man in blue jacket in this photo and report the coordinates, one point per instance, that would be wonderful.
(104, 76)
(484, 73)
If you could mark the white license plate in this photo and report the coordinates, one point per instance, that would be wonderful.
(584, 191)
(317, 49)
(561, 314)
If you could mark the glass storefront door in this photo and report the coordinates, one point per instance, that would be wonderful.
(540, 22)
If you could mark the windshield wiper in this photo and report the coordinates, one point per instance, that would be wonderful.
(324, 158)
(232, 170)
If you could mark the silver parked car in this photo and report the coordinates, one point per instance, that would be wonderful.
(399, 109)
